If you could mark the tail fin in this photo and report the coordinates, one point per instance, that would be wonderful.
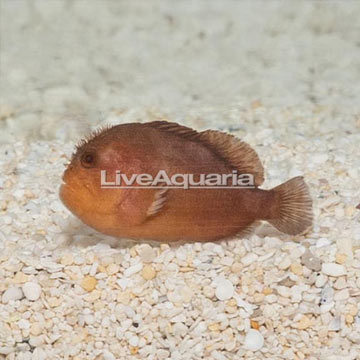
(295, 208)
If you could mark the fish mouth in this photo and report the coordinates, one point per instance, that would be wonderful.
(63, 188)
(64, 191)
(67, 183)
(64, 184)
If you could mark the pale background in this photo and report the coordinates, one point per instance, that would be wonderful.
(67, 64)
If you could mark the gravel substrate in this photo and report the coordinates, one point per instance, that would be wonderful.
(70, 293)
(67, 292)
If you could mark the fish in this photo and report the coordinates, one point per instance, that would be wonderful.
(173, 213)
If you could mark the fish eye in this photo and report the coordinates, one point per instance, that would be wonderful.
(88, 159)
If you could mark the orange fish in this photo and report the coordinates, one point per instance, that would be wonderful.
(170, 213)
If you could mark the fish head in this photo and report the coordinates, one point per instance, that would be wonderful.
(83, 191)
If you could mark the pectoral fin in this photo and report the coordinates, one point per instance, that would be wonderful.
(158, 203)
(141, 204)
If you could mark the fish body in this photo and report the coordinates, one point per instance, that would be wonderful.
(169, 214)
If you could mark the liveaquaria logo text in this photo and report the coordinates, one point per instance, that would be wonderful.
(175, 181)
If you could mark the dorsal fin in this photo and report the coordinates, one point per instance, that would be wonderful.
(174, 128)
(235, 152)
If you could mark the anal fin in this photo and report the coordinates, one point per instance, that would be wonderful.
(249, 230)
